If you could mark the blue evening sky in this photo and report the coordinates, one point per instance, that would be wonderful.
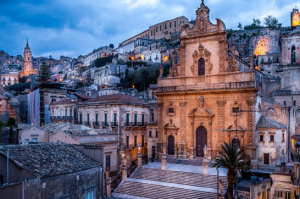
(75, 27)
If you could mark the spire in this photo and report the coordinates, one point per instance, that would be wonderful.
(202, 2)
(27, 46)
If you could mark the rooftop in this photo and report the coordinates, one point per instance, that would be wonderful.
(116, 98)
(268, 123)
(48, 159)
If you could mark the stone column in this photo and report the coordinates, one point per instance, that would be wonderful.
(164, 158)
(192, 143)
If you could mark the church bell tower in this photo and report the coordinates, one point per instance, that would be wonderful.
(295, 17)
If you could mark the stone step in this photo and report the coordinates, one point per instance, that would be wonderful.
(162, 192)
(184, 178)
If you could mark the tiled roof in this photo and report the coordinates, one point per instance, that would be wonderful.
(86, 97)
(265, 122)
(64, 101)
(49, 159)
(115, 98)
(53, 127)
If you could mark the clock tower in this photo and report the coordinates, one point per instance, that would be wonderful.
(295, 18)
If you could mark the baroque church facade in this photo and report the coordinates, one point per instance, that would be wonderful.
(207, 85)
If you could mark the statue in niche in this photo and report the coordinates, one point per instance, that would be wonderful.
(205, 151)
(139, 148)
(201, 101)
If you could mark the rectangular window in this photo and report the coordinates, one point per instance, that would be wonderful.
(284, 103)
(127, 119)
(143, 119)
(143, 140)
(160, 28)
(152, 117)
(88, 118)
(26, 141)
(151, 32)
(287, 195)
(127, 142)
(156, 28)
(150, 134)
(115, 119)
(170, 24)
(96, 119)
(156, 134)
(294, 102)
(166, 26)
(171, 110)
(261, 138)
(34, 139)
(135, 119)
(175, 24)
(135, 141)
(71, 112)
(66, 112)
(89, 195)
(283, 137)
(235, 110)
(108, 162)
(271, 138)
(105, 119)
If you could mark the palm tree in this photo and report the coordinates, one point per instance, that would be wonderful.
(228, 159)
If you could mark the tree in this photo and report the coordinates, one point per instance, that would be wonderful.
(11, 123)
(22, 80)
(255, 25)
(44, 73)
(240, 26)
(271, 22)
(228, 158)
(111, 46)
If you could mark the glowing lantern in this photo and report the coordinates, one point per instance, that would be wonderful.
(166, 59)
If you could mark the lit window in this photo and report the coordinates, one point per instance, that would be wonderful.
(34, 139)
(89, 195)
(26, 141)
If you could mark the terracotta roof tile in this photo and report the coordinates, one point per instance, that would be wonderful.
(49, 159)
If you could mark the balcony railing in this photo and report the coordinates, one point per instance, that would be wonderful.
(61, 118)
(136, 124)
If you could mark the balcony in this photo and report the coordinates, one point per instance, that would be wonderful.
(114, 124)
(61, 118)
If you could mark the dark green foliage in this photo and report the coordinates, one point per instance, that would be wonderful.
(271, 22)
(141, 78)
(111, 46)
(44, 73)
(11, 123)
(22, 80)
(228, 158)
(102, 61)
(255, 25)
(18, 87)
(240, 26)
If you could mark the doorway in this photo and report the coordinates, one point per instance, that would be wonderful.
(171, 145)
(266, 158)
(201, 141)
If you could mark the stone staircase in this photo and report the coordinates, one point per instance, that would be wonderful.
(159, 184)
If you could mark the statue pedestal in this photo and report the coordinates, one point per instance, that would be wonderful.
(192, 156)
(205, 169)
(124, 173)
(163, 162)
(139, 158)
(209, 155)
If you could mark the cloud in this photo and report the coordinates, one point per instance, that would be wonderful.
(72, 28)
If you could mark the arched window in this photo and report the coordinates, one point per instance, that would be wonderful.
(201, 67)
(293, 55)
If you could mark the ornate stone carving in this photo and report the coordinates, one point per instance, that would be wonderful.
(221, 103)
(201, 101)
(201, 53)
(203, 24)
(251, 102)
(232, 62)
(183, 103)
(160, 104)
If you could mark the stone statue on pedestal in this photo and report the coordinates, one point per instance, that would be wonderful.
(205, 151)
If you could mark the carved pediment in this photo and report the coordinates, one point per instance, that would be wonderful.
(171, 126)
(203, 24)
(201, 112)
(233, 128)
(232, 62)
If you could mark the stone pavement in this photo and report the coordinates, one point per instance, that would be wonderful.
(177, 181)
